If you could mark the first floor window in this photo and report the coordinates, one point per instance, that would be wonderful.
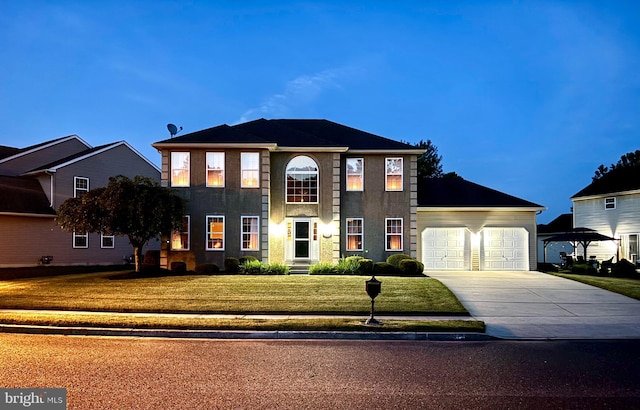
(80, 240)
(393, 234)
(81, 186)
(354, 234)
(250, 169)
(107, 241)
(215, 233)
(180, 169)
(180, 239)
(250, 233)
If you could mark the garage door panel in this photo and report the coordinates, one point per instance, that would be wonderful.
(506, 249)
(444, 249)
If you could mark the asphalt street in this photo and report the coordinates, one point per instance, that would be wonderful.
(152, 373)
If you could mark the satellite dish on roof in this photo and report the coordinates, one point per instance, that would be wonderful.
(173, 130)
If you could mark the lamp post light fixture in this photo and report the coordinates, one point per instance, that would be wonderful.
(373, 287)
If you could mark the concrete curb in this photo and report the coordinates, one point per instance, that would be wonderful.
(241, 334)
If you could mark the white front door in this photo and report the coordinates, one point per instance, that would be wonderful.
(302, 240)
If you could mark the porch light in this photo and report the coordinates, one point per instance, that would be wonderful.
(326, 230)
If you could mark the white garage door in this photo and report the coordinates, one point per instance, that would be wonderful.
(505, 249)
(444, 249)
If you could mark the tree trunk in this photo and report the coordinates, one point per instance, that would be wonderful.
(137, 254)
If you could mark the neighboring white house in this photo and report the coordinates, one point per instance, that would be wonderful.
(560, 225)
(611, 206)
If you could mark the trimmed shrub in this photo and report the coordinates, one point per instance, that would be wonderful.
(420, 267)
(256, 267)
(624, 269)
(366, 266)
(179, 268)
(384, 269)
(394, 260)
(322, 268)
(231, 265)
(548, 267)
(276, 268)
(247, 258)
(151, 258)
(207, 269)
(408, 267)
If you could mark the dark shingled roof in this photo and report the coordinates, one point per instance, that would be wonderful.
(562, 223)
(458, 192)
(291, 133)
(23, 195)
(619, 180)
(69, 158)
(6, 152)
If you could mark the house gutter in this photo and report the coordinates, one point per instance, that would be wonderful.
(27, 214)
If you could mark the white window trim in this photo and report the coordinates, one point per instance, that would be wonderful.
(188, 183)
(113, 241)
(76, 235)
(361, 234)
(286, 181)
(242, 169)
(361, 174)
(207, 169)
(387, 234)
(188, 237)
(386, 174)
(224, 235)
(610, 201)
(242, 218)
(75, 186)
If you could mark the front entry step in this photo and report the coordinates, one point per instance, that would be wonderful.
(299, 267)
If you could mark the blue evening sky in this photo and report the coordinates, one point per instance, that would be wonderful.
(527, 97)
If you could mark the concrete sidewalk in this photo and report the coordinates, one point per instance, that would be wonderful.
(534, 305)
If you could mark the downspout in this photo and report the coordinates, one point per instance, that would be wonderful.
(50, 187)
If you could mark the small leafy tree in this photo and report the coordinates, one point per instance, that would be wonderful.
(138, 208)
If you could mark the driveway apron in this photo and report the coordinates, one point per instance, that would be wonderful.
(534, 305)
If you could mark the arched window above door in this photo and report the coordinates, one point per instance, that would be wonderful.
(302, 180)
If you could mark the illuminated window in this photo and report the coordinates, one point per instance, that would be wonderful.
(250, 233)
(107, 241)
(393, 174)
(215, 233)
(609, 203)
(215, 169)
(354, 234)
(250, 163)
(80, 186)
(179, 169)
(355, 174)
(302, 180)
(180, 239)
(80, 241)
(393, 234)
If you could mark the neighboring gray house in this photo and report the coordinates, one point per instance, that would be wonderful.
(465, 226)
(611, 206)
(35, 180)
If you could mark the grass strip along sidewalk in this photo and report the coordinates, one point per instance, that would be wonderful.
(230, 294)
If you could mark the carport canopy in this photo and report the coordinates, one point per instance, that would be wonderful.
(582, 236)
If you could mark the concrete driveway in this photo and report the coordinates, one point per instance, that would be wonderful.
(534, 305)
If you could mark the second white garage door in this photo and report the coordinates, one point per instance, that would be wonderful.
(505, 249)
(445, 249)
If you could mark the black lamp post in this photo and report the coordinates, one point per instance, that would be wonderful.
(373, 287)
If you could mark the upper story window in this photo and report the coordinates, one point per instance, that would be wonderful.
(393, 174)
(393, 234)
(250, 164)
(180, 239)
(355, 174)
(80, 186)
(179, 169)
(215, 169)
(610, 203)
(302, 180)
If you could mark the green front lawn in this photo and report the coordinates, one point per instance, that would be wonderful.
(623, 286)
(300, 294)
